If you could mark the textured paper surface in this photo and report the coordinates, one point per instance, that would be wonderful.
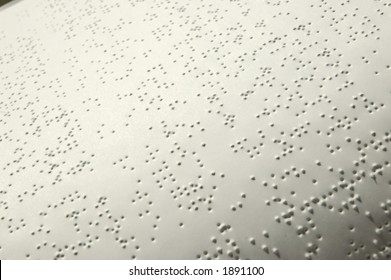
(195, 129)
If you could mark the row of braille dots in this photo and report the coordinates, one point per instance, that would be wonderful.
(100, 131)
(152, 102)
(40, 230)
(194, 200)
(342, 184)
(264, 247)
(239, 204)
(139, 197)
(72, 250)
(189, 193)
(341, 123)
(152, 155)
(70, 198)
(377, 169)
(382, 244)
(80, 167)
(304, 230)
(287, 217)
(153, 83)
(370, 106)
(53, 152)
(123, 163)
(179, 151)
(25, 194)
(164, 176)
(91, 101)
(228, 118)
(260, 81)
(367, 28)
(383, 7)
(236, 39)
(301, 230)
(12, 227)
(244, 146)
(356, 249)
(103, 63)
(105, 218)
(34, 124)
(228, 249)
(377, 145)
(163, 31)
(285, 174)
(168, 132)
(18, 160)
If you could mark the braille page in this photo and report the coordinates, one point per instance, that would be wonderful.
(210, 129)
